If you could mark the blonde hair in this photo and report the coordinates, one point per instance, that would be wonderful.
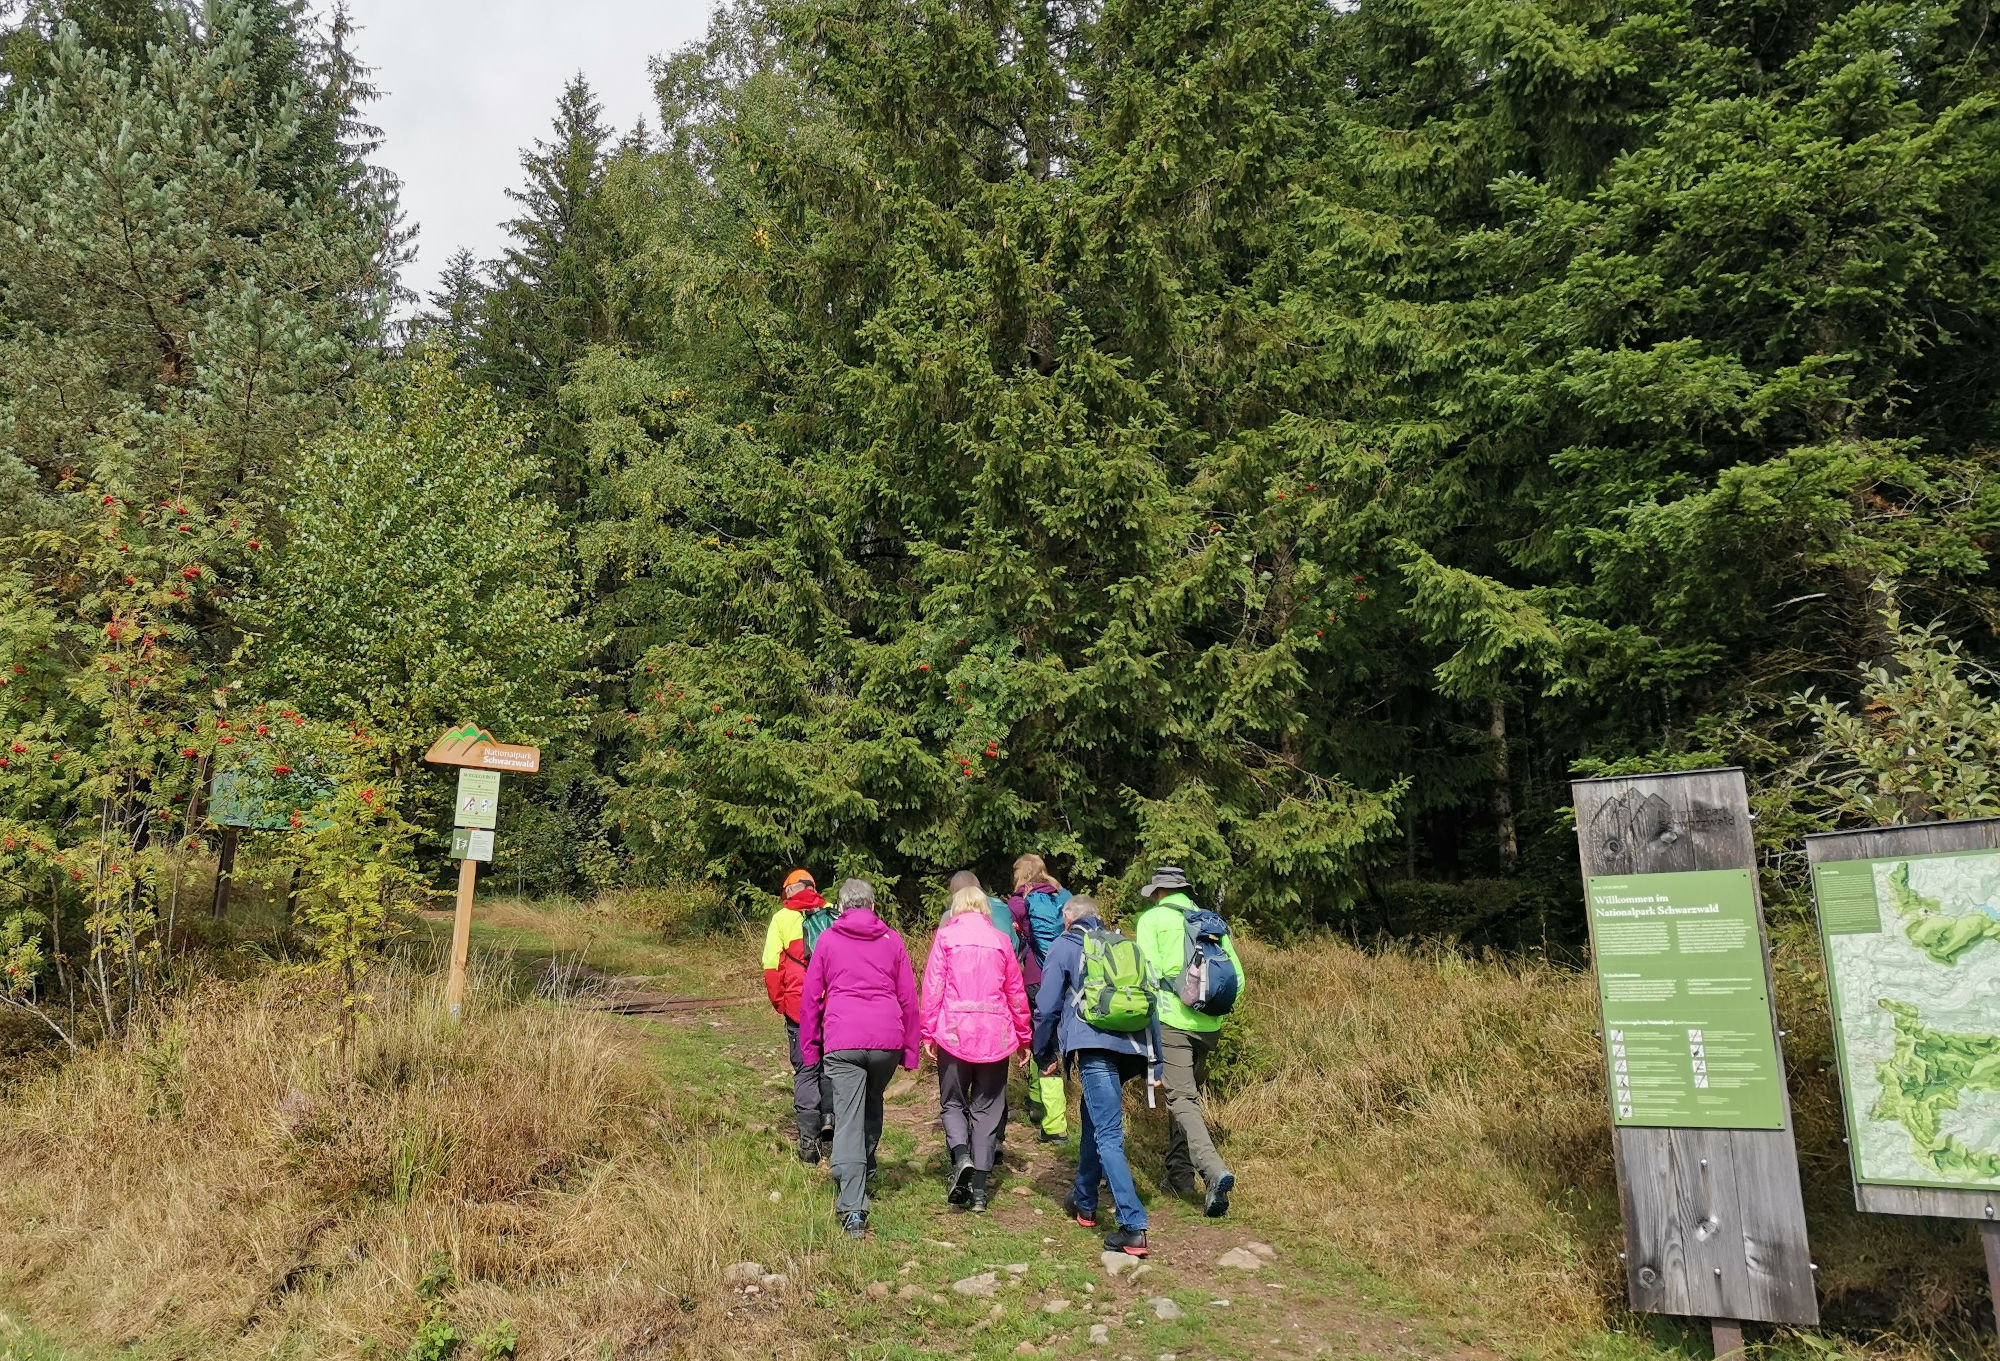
(967, 900)
(1030, 869)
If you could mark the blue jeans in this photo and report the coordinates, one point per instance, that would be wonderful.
(1101, 1151)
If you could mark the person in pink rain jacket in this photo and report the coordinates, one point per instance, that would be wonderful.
(974, 1017)
(858, 1017)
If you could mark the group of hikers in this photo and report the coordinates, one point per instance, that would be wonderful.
(1036, 975)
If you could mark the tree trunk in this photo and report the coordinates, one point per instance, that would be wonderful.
(1503, 792)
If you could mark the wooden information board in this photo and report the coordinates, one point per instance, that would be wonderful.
(1910, 925)
(1715, 1221)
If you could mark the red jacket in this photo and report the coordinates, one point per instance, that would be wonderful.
(785, 953)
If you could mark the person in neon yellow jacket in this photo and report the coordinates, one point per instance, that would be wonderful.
(1187, 1040)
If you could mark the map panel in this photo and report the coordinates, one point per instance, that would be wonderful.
(1913, 969)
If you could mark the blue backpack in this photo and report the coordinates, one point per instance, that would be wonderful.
(1208, 981)
(1045, 921)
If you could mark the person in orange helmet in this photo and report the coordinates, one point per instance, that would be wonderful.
(788, 945)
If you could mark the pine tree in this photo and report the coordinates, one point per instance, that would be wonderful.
(943, 548)
(197, 256)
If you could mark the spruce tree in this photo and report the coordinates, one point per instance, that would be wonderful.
(549, 299)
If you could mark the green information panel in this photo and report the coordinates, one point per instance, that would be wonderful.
(256, 801)
(1913, 974)
(1687, 1012)
(471, 843)
(478, 799)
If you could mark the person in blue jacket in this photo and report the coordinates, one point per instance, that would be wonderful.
(1103, 1061)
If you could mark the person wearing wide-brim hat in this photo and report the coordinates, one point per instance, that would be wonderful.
(1187, 1040)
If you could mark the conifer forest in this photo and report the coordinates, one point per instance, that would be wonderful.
(1292, 439)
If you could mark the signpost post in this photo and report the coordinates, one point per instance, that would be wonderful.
(1708, 1177)
(1910, 924)
(475, 813)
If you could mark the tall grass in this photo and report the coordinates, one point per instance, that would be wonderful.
(1442, 1119)
(217, 1182)
(1436, 1117)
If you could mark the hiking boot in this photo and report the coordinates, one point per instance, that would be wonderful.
(1128, 1241)
(961, 1177)
(1085, 1219)
(1044, 1137)
(809, 1151)
(1217, 1204)
(977, 1196)
(1186, 1189)
(855, 1224)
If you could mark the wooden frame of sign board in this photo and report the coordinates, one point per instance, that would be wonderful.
(1879, 843)
(1715, 1223)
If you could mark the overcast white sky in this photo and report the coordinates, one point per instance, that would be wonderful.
(466, 84)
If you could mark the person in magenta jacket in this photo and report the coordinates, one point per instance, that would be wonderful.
(858, 1017)
(974, 1018)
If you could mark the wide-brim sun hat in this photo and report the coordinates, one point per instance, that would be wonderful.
(1166, 879)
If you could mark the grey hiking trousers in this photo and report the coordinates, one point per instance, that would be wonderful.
(858, 1077)
(812, 1098)
(972, 1105)
(1184, 1061)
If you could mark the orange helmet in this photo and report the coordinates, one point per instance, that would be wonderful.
(795, 881)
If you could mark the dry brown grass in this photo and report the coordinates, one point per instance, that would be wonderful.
(1440, 1120)
(220, 1182)
(1443, 1120)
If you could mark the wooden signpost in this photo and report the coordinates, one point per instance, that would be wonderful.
(475, 813)
(1708, 1176)
(1910, 926)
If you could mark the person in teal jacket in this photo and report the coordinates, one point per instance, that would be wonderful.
(1187, 1039)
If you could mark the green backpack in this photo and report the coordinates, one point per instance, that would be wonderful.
(1118, 986)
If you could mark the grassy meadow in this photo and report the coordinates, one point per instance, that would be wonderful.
(1419, 1135)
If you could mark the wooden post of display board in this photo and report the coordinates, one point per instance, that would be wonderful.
(1714, 1215)
(1895, 843)
(475, 812)
(461, 937)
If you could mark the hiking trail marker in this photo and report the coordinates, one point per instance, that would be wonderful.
(1701, 1124)
(1909, 920)
(475, 813)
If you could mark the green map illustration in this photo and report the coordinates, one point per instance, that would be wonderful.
(1913, 959)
